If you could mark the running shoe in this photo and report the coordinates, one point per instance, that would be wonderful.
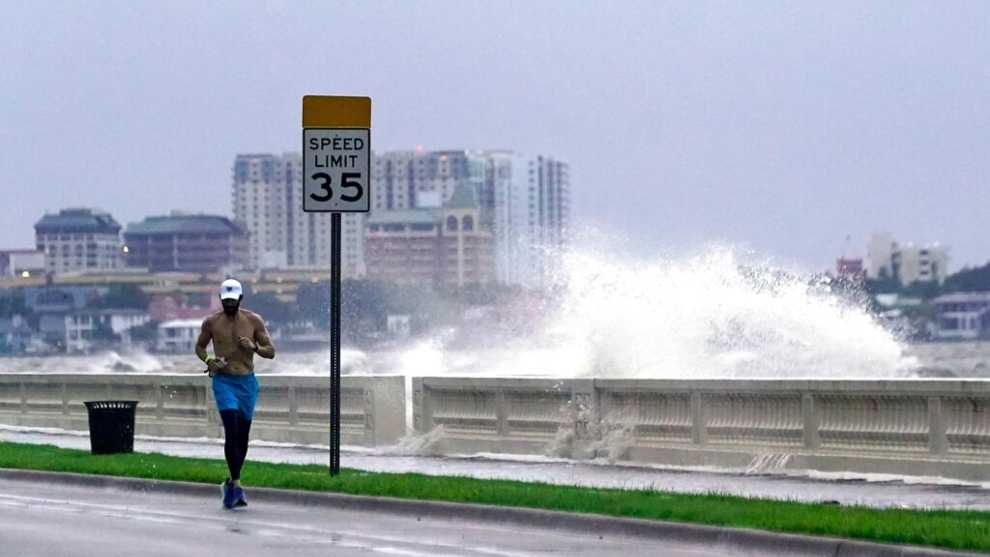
(239, 500)
(227, 489)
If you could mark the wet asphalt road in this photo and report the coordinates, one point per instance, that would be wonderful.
(53, 520)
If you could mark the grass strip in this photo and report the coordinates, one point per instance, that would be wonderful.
(950, 529)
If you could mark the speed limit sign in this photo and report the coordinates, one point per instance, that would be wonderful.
(336, 179)
(336, 154)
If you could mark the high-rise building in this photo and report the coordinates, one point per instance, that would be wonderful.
(532, 216)
(78, 240)
(267, 199)
(524, 203)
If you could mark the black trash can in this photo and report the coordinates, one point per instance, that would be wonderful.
(111, 426)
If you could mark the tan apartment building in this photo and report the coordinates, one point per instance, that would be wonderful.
(77, 240)
(186, 243)
(524, 201)
(908, 263)
(432, 245)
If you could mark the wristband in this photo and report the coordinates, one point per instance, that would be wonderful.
(207, 360)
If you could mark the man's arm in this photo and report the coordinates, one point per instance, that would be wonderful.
(205, 336)
(213, 365)
(263, 340)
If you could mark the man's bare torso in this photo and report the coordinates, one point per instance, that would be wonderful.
(224, 331)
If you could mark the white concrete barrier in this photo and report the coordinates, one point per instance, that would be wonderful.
(918, 427)
(290, 409)
(910, 427)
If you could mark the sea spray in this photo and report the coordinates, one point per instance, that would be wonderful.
(711, 316)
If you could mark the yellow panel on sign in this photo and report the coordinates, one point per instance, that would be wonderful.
(321, 111)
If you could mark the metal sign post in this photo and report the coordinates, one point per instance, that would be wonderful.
(336, 179)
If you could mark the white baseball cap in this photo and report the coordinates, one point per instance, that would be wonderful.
(230, 289)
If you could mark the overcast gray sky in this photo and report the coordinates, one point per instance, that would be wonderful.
(782, 127)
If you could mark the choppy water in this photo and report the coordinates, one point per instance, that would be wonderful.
(952, 359)
(613, 317)
(427, 358)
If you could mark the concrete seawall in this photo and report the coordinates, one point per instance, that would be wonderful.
(908, 427)
(914, 427)
(290, 409)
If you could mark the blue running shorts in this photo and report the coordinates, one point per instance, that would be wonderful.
(236, 392)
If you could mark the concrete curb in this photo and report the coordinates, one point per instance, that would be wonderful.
(741, 538)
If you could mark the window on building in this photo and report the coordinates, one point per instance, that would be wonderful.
(452, 223)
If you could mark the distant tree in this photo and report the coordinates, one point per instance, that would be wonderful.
(883, 284)
(926, 310)
(270, 308)
(103, 334)
(926, 290)
(969, 280)
(146, 333)
(364, 307)
(366, 304)
(12, 303)
(488, 294)
(313, 303)
(430, 306)
(121, 296)
(852, 290)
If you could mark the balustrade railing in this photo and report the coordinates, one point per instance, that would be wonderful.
(903, 426)
(290, 409)
(900, 426)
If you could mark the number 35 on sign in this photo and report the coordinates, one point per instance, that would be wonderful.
(336, 169)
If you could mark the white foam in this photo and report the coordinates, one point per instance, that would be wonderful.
(711, 316)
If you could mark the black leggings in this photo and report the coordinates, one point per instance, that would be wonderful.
(235, 444)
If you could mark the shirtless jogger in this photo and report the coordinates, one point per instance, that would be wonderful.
(237, 334)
